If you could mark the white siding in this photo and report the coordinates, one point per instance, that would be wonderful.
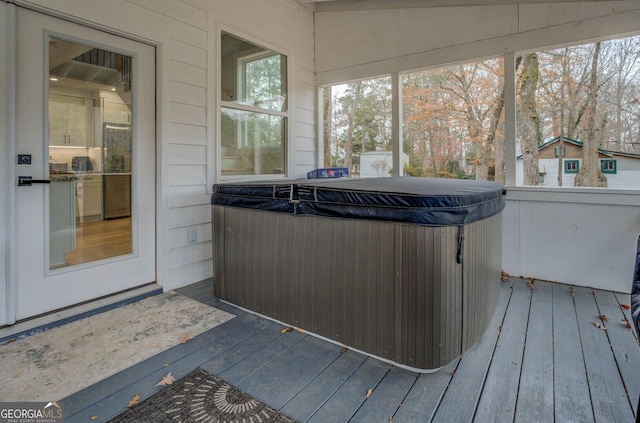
(575, 236)
(184, 32)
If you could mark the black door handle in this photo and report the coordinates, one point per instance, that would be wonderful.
(26, 181)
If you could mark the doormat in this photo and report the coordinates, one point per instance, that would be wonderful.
(51, 365)
(200, 397)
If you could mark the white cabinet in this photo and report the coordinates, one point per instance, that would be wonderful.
(89, 198)
(70, 120)
(115, 108)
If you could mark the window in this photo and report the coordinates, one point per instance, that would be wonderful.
(608, 166)
(254, 108)
(571, 166)
(453, 121)
(556, 151)
(559, 92)
(360, 127)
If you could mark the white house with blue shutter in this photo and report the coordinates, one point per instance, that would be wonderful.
(621, 169)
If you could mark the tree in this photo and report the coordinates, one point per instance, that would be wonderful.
(590, 174)
(528, 122)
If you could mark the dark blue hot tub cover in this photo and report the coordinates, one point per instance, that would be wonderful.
(425, 201)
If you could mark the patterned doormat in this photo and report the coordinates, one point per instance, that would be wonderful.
(203, 398)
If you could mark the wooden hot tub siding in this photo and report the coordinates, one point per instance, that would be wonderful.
(392, 290)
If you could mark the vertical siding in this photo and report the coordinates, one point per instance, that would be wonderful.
(481, 278)
(182, 30)
(392, 290)
(432, 296)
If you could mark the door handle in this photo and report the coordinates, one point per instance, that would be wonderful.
(26, 181)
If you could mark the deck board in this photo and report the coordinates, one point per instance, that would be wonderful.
(421, 401)
(498, 399)
(625, 348)
(571, 391)
(541, 359)
(535, 399)
(314, 395)
(296, 372)
(346, 401)
(608, 396)
(386, 397)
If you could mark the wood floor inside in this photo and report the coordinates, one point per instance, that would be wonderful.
(101, 240)
(545, 357)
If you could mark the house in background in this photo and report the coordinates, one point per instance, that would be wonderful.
(377, 164)
(621, 169)
(188, 93)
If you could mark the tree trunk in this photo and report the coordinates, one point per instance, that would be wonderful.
(589, 174)
(529, 119)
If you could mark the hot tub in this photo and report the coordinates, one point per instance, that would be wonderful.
(403, 269)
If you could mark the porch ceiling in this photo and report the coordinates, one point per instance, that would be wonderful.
(336, 5)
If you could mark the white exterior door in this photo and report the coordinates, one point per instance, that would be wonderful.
(85, 121)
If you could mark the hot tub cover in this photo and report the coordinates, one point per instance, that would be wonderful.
(425, 201)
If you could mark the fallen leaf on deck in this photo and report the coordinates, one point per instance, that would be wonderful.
(167, 380)
(625, 306)
(627, 323)
(573, 291)
(369, 392)
(94, 417)
(599, 325)
(603, 317)
(453, 371)
(186, 338)
(504, 276)
(300, 330)
(165, 365)
(344, 350)
(154, 345)
(285, 330)
(532, 283)
(134, 400)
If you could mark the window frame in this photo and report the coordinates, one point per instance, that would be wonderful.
(612, 171)
(567, 162)
(217, 175)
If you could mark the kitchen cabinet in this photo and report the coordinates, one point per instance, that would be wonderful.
(115, 108)
(70, 120)
(89, 197)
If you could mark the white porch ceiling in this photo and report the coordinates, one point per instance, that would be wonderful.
(331, 5)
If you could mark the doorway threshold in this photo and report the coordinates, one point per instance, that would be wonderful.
(60, 317)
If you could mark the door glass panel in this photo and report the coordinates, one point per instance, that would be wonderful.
(90, 147)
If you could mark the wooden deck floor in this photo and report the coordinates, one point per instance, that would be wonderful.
(542, 360)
